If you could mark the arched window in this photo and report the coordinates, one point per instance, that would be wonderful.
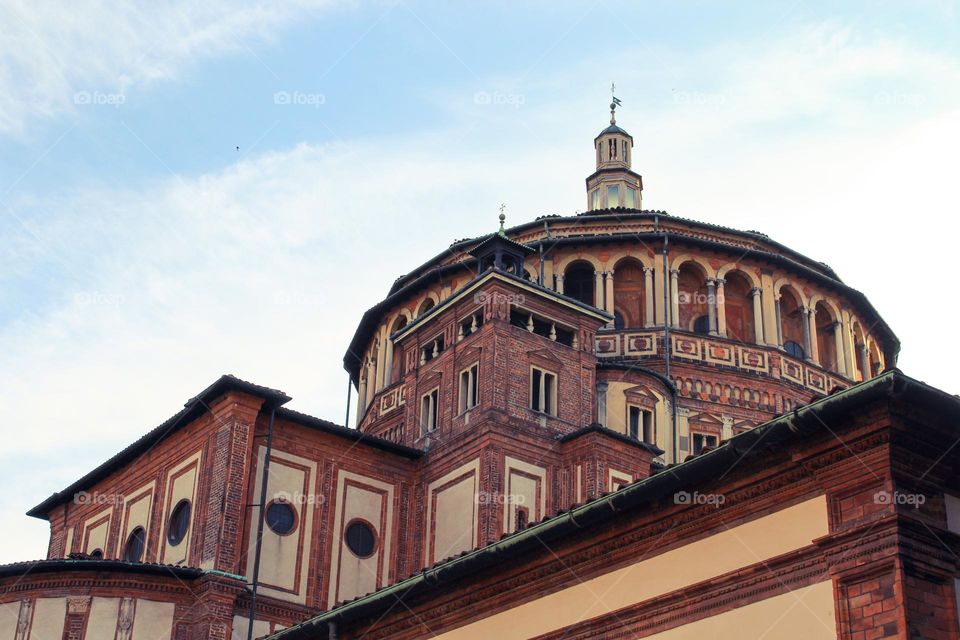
(826, 337)
(793, 349)
(578, 281)
(791, 319)
(702, 325)
(692, 295)
(133, 549)
(629, 298)
(738, 308)
(396, 351)
(425, 306)
(876, 360)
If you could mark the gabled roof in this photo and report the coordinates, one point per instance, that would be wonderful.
(596, 427)
(345, 432)
(751, 445)
(193, 408)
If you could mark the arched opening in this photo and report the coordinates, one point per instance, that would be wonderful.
(738, 308)
(791, 323)
(692, 298)
(826, 336)
(629, 299)
(396, 353)
(876, 360)
(578, 281)
(425, 306)
(858, 349)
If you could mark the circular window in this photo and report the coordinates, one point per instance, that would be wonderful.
(96, 554)
(133, 550)
(281, 518)
(361, 539)
(179, 523)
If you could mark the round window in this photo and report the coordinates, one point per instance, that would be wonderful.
(179, 523)
(281, 518)
(136, 541)
(361, 539)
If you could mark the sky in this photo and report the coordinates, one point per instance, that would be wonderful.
(191, 189)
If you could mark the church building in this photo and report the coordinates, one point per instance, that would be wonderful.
(614, 424)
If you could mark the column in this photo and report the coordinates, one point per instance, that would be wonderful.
(805, 312)
(812, 330)
(721, 309)
(661, 281)
(380, 356)
(757, 315)
(838, 339)
(648, 320)
(560, 283)
(548, 273)
(361, 396)
(598, 289)
(388, 364)
(371, 380)
(610, 307)
(768, 301)
(865, 362)
(779, 324)
(674, 298)
(712, 305)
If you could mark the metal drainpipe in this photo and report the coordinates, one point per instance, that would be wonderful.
(261, 518)
(667, 312)
(546, 230)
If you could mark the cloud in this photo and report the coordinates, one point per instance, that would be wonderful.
(53, 57)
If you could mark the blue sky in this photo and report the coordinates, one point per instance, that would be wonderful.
(142, 254)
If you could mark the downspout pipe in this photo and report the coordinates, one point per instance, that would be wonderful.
(260, 519)
(667, 312)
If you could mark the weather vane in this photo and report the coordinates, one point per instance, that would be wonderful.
(614, 104)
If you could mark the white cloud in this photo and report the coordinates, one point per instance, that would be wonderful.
(54, 55)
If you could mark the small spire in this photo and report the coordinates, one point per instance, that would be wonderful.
(614, 104)
(503, 219)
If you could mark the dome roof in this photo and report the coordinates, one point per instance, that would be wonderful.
(613, 128)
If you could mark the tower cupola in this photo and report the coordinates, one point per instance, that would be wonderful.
(614, 184)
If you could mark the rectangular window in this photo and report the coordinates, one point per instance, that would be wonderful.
(640, 424)
(613, 196)
(543, 391)
(595, 199)
(468, 388)
(428, 411)
(634, 422)
(631, 198)
(522, 518)
(703, 441)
